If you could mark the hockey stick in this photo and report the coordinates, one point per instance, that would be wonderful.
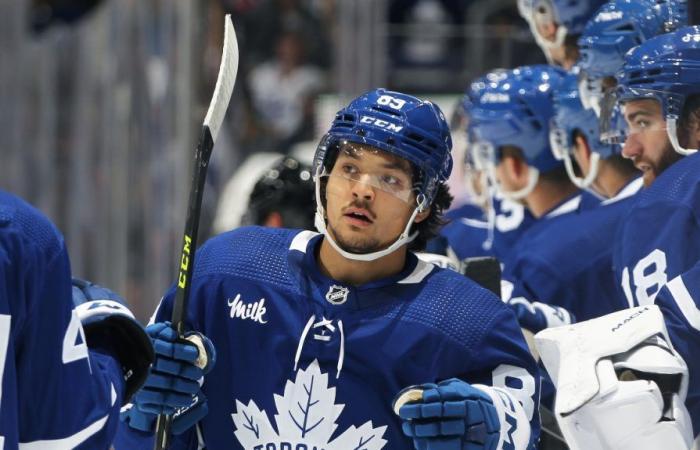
(210, 130)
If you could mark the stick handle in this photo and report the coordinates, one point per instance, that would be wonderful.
(186, 261)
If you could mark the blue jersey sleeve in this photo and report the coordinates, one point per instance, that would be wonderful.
(508, 367)
(55, 392)
(679, 301)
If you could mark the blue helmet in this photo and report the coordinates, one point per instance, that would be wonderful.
(622, 24)
(399, 124)
(402, 125)
(570, 116)
(665, 68)
(569, 17)
(516, 110)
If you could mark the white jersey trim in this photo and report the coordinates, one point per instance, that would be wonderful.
(475, 223)
(72, 441)
(684, 301)
(632, 188)
(419, 273)
(566, 207)
(301, 240)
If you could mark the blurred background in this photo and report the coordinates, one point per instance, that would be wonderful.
(101, 102)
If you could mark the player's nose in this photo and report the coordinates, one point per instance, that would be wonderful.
(363, 188)
(632, 148)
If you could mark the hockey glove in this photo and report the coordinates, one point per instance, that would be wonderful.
(174, 384)
(536, 316)
(451, 415)
(111, 328)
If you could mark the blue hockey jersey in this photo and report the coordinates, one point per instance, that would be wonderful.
(659, 238)
(569, 262)
(471, 233)
(679, 301)
(55, 393)
(523, 273)
(304, 361)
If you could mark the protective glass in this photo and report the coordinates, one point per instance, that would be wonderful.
(391, 176)
(619, 120)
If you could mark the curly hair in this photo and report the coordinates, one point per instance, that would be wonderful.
(430, 227)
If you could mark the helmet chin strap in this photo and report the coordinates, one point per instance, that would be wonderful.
(404, 237)
(592, 173)
(672, 131)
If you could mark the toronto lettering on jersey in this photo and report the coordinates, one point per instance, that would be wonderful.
(286, 446)
(254, 311)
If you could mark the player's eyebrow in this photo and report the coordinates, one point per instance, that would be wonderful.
(636, 114)
(401, 166)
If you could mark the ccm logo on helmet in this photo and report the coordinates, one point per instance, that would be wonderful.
(381, 123)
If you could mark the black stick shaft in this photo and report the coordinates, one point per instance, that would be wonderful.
(186, 261)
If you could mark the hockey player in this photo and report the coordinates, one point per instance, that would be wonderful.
(658, 241)
(491, 224)
(662, 115)
(556, 25)
(282, 197)
(321, 331)
(615, 28)
(511, 123)
(62, 382)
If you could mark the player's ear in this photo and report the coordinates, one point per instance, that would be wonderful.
(695, 130)
(421, 216)
(582, 145)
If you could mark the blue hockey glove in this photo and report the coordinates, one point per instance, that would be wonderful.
(111, 328)
(451, 415)
(173, 386)
(536, 316)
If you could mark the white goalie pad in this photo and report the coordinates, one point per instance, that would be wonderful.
(620, 385)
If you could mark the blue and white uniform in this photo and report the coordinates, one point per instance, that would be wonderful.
(56, 394)
(305, 361)
(659, 238)
(567, 262)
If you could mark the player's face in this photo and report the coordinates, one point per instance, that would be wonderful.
(647, 143)
(369, 198)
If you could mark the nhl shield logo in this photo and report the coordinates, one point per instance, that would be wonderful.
(337, 295)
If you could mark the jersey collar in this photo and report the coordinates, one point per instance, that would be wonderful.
(336, 294)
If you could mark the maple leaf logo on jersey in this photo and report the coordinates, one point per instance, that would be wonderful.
(305, 418)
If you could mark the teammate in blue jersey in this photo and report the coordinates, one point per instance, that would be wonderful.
(658, 241)
(316, 334)
(556, 25)
(492, 225)
(660, 108)
(62, 384)
(547, 271)
(511, 124)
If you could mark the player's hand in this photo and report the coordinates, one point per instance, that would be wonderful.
(174, 384)
(536, 316)
(111, 328)
(451, 415)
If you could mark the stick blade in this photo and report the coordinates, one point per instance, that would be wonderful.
(225, 81)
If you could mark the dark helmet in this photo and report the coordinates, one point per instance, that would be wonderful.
(288, 189)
